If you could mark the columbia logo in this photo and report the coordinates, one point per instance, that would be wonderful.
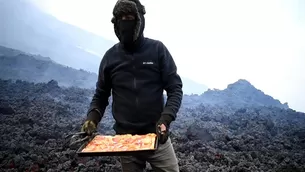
(148, 62)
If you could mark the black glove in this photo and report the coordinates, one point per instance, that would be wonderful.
(163, 135)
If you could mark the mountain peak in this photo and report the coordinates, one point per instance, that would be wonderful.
(241, 94)
(241, 84)
(243, 81)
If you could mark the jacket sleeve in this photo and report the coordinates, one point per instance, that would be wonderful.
(172, 84)
(102, 93)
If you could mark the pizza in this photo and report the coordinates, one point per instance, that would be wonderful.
(121, 143)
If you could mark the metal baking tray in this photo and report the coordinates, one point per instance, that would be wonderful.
(116, 153)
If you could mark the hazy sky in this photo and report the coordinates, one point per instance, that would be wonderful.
(216, 42)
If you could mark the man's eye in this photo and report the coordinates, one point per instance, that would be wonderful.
(128, 17)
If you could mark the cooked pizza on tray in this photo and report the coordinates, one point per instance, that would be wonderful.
(121, 143)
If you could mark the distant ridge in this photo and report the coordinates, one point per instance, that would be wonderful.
(238, 94)
(15, 64)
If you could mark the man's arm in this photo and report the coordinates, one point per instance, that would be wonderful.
(102, 93)
(172, 84)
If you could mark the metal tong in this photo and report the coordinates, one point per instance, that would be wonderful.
(77, 138)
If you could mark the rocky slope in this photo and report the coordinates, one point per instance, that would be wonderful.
(36, 117)
(16, 65)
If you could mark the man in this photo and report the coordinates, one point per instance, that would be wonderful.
(136, 71)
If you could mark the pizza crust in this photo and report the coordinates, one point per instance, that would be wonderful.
(121, 143)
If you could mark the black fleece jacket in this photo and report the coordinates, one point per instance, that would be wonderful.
(137, 81)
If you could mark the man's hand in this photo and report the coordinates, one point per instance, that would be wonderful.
(162, 132)
(89, 127)
(163, 128)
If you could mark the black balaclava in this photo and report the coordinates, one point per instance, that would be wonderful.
(129, 32)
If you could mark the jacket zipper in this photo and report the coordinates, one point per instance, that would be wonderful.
(135, 87)
(135, 84)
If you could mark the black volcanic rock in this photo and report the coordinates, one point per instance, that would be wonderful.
(5, 108)
(206, 138)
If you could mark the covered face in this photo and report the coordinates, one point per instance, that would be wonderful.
(128, 20)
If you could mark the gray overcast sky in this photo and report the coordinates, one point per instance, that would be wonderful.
(216, 42)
